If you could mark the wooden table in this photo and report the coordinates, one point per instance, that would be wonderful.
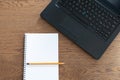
(22, 16)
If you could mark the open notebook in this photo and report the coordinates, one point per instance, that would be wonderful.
(41, 48)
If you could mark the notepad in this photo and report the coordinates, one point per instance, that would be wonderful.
(41, 48)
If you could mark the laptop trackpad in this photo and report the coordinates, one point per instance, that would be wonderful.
(72, 26)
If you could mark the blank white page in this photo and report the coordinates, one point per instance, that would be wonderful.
(41, 48)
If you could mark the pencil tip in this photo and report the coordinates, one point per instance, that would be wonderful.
(27, 63)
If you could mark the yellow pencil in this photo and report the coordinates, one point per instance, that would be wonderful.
(45, 63)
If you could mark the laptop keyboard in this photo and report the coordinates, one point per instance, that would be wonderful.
(99, 19)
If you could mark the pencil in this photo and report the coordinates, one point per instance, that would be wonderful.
(45, 63)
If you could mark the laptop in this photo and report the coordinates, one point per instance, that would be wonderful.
(91, 24)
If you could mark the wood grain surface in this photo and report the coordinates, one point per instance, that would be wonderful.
(22, 16)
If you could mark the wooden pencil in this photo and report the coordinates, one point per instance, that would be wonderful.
(45, 63)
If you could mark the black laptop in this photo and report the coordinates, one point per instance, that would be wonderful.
(91, 24)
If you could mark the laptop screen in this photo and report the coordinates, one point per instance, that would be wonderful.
(115, 3)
